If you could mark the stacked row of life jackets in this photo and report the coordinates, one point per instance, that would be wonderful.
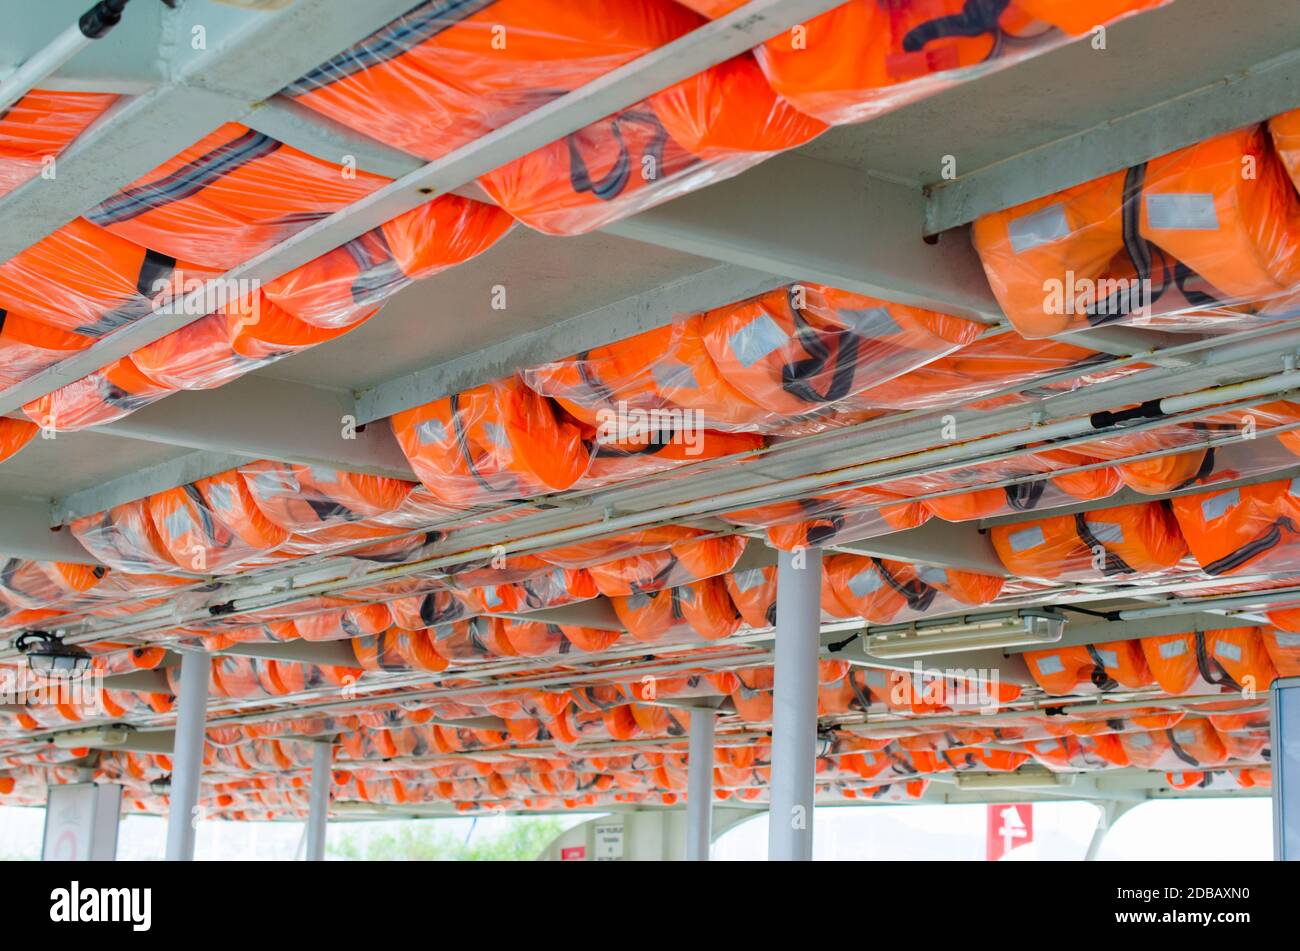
(1233, 660)
(467, 68)
(1206, 234)
(865, 57)
(85, 281)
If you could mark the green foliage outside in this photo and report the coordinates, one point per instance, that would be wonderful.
(523, 841)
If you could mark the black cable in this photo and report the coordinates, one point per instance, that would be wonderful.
(102, 17)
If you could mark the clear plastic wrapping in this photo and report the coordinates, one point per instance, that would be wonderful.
(1125, 541)
(884, 591)
(1185, 240)
(1231, 660)
(1228, 530)
(229, 197)
(756, 365)
(704, 609)
(40, 125)
(704, 129)
(445, 73)
(492, 443)
(682, 563)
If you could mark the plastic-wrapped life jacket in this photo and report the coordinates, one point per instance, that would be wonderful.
(344, 623)
(800, 348)
(125, 539)
(701, 130)
(311, 499)
(844, 515)
(1158, 474)
(14, 435)
(1087, 667)
(1127, 540)
(40, 125)
(534, 638)
(1285, 132)
(227, 498)
(653, 616)
(590, 639)
(550, 589)
(87, 281)
(860, 59)
(194, 536)
(668, 368)
(1186, 215)
(683, 563)
(1283, 645)
(491, 443)
(1233, 659)
(666, 446)
(753, 592)
(343, 287)
(876, 589)
(1192, 743)
(28, 346)
(422, 611)
(229, 197)
(475, 640)
(28, 585)
(1228, 530)
(599, 551)
(450, 71)
(104, 396)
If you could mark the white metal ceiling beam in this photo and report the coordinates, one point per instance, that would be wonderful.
(25, 532)
(265, 418)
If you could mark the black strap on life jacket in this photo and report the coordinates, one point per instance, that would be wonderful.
(154, 268)
(1024, 496)
(1210, 669)
(861, 692)
(462, 440)
(977, 18)
(613, 182)
(1234, 560)
(186, 181)
(1181, 753)
(1114, 565)
(210, 529)
(797, 376)
(378, 274)
(918, 594)
(1099, 677)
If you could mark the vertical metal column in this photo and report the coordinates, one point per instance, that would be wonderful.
(187, 755)
(322, 766)
(699, 785)
(1285, 745)
(794, 705)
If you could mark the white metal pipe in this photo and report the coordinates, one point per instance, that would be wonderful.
(699, 785)
(187, 756)
(47, 60)
(794, 705)
(322, 768)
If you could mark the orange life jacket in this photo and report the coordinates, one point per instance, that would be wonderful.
(683, 563)
(124, 538)
(490, 443)
(1107, 666)
(28, 346)
(1186, 214)
(342, 287)
(811, 523)
(109, 394)
(753, 592)
(28, 585)
(847, 64)
(229, 197)
(1193, 743)
(1230, 529)
(1233, 659)
(447, 73)
(14, 435)
(798, 349)
(1077, 19)
(1284, 646)
(710, 126)
(39, 126)
(312, 499)
(345, 623)
(1124, 540)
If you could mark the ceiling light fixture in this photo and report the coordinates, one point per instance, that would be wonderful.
(1014, 629)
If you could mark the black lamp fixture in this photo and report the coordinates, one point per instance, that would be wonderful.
(47, 654)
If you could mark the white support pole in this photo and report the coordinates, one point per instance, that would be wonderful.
(322, 766)
(187, 755)
(1285, 746)
(794, 705)
(699, 785)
